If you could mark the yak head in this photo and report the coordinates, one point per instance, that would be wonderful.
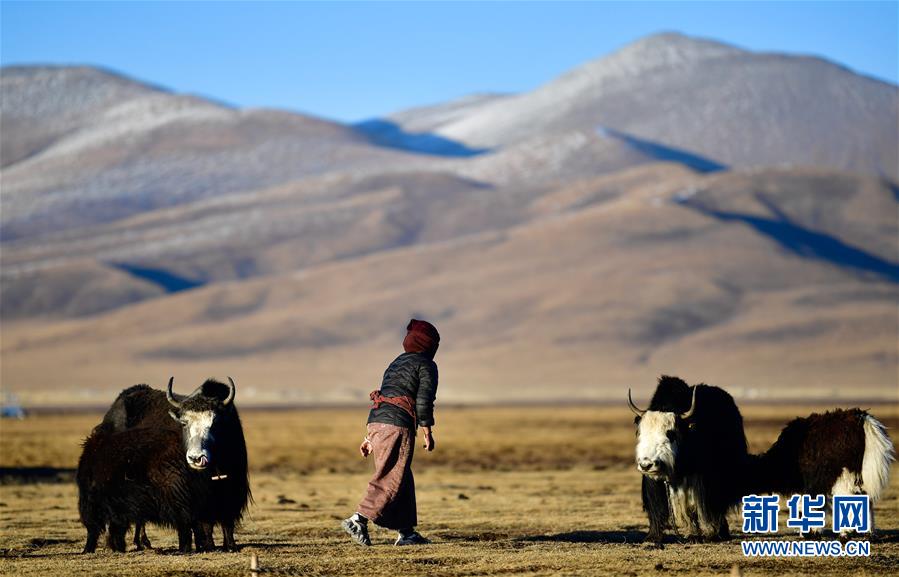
(660, 438)
(201, 414)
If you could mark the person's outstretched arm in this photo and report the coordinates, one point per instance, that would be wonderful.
(424, 403)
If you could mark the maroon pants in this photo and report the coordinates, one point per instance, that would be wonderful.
(389, 500)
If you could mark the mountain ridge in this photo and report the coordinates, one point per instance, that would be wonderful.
(146, 232)
(729, 82)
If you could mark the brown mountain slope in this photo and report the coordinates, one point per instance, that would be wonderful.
(256, 233)
(588, 298)
(123, 178)
(598, 242)
(283, 228)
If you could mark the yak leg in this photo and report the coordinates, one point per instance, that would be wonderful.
(143, 537)
(93, 535)
(724, 530)
(203, 536)
(711, 506)
(116, 537)
(93, 521)
(184, 538)
(683, 511)
(711, 523)
(138, 527)
(228, 543)
(655, 503)
(713, 527)
(141, 541)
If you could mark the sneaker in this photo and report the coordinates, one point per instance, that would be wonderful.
(413, 538)
(358, 531)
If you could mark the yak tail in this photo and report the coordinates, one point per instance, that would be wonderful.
(878, 456)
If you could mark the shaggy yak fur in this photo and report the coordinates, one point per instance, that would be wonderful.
(695, 486)
(138, 474)
(223, 490)
(840, 452)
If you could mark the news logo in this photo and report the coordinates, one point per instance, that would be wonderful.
(760, 513)
(851, 513)
(807, 513)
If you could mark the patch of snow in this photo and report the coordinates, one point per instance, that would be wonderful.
(685, 194)
(137, 117)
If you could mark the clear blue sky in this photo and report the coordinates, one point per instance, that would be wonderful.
(351, 61)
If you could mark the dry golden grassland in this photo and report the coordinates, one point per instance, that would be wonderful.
(509, 491)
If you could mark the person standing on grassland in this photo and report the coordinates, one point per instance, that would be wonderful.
(404, 403)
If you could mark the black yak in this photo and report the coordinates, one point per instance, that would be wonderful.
(689, 443)
(692, 452)
(137, 474)
(841, 452)
(212, 447)
(215, 444)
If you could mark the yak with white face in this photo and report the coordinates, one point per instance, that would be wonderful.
(198, 438)
(660, 435)
(199, 416)
(210, 441)
(690, 445)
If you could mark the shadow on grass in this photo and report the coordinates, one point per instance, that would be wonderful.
(33, 550)
(886, 536)
(174, 552)
(37, 554)
(626, 536)
(473, 536)
(29, 475)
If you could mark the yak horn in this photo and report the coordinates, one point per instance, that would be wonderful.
(630, 403)
(232, 390)
(171, 396)
(692, 408)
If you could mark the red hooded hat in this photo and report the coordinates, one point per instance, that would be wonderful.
(422, 337)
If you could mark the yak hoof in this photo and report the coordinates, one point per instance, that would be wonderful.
(694, 539)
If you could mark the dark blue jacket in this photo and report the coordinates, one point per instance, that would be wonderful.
(413, 375)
